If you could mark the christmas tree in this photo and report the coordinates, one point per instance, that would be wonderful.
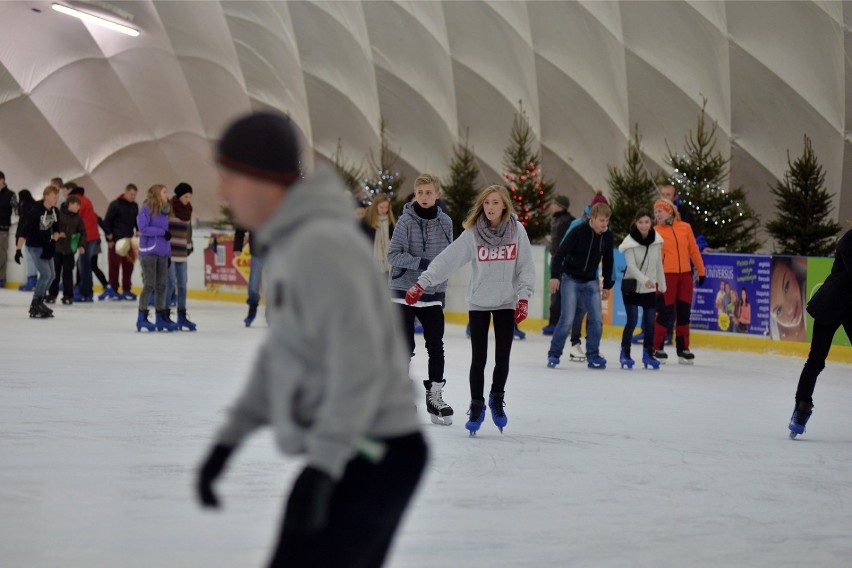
(461, 189)
(384, 178)
(724, 217)
(631, 188)
(803, 226)
(530, 193)
(350, 173)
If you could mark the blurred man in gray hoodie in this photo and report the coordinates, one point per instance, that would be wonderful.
(331, 379)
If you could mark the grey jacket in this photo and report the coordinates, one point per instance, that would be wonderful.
(332, 375)
(652, 268)
(500, 276)
(414, 241)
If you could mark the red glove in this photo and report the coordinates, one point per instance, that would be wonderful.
(413, 294)
(522, 311)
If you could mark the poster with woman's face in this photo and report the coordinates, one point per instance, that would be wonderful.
(787, 298)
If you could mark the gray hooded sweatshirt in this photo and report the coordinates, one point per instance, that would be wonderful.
(332, 375)
(500, 277)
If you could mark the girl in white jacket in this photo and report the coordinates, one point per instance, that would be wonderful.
(501, 285)
(642, 249)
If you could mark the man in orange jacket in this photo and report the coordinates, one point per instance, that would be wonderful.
(679, 247)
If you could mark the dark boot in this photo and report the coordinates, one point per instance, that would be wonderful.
(39, 310)
(182, 322)
(164, 321)
(252, 313)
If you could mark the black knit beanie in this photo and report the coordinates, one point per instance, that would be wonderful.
(182, 188)
(263, 145)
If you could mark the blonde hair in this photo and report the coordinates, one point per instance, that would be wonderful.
(371, 217)
(427, 179)
(49, 189)
(600, 210)
(153, 201)
(477, 208)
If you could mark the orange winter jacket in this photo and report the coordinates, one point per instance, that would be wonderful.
(678, 247)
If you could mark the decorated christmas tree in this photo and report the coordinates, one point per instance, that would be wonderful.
(461, 189)
(530, 192)
(383, 177)
(803, 226)
(723, 216)
(631, 188)
(350, 173)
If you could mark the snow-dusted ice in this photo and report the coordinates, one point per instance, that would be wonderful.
(101, 429)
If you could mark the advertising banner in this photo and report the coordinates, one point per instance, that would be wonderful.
(735, 295)
(222, 266)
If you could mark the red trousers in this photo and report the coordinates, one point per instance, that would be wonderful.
(677, 302)
(115, 262)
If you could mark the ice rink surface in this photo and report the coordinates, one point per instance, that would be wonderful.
(101, 429)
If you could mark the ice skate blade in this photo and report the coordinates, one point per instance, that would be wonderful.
(441, 420)
(576, 359)
(683, 361)
(628, 365)
(653, 368)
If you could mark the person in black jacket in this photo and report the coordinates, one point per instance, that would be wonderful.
(40, 234)
(120, 223)
(573, 270)
(26, 202)
(831, 307)
(559, 223)
(8, 205)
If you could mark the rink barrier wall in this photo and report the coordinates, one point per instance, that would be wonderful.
(456, 308)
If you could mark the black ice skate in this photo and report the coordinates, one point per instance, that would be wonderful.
(439, 411)
(684, 356)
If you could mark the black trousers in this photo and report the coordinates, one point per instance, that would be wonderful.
(504, 333)
(432, 320)
(366, 508)
(64, 264)
(820, 345)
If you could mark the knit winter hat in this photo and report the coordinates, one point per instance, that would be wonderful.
(599, 198)
(182, 188)
(665, 205)
(262, 145)
(563, 201)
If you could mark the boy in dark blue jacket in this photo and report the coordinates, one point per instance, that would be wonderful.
(573, 270)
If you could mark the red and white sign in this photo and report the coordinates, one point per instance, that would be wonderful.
(503, 252)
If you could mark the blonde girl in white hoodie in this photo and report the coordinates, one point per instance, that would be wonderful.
(501, 284)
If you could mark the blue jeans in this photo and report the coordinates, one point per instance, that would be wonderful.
(177, 279)
(255, 274)
(84, 265)
(45, 269)
(31, 265)
(587, 297)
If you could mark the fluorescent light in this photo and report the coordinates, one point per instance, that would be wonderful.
(97, 20)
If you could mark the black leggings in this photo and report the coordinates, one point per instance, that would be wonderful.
(366, 508)
(432, 320)
(504, 333)
(820, 345)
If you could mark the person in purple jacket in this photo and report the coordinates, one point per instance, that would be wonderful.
(155, 253)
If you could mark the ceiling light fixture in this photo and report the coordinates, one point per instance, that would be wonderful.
(97, 20)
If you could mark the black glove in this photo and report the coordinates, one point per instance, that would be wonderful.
(18, 256)
(167, 236)
(208, 473)
(309, 503)
(701, 281)
(46, 254)
(189, 248)
(608, 284)
(169, 264)
(424, 264)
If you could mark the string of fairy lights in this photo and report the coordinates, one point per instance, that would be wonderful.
(384, 182)
(685, 182)
(531, 174)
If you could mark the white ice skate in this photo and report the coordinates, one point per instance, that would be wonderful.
(576, 353)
